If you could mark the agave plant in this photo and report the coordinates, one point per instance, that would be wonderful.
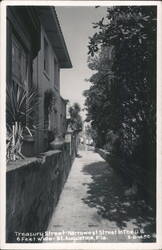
(20, 105)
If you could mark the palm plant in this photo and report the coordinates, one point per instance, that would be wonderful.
(75, 118)
(20, 105)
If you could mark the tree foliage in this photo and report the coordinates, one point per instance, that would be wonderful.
(75, 118)
(121, 101)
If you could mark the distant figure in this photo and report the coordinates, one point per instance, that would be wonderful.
(81, 140)
(91, 142)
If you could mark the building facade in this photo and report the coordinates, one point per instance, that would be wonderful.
(36, 51)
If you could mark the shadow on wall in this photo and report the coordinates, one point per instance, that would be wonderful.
(115, 202)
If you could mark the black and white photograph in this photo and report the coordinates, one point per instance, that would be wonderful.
(81, 110)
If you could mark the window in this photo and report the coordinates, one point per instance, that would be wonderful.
(46, 56)
(19, 64)
(20, 71)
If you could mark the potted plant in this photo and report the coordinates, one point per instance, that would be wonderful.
(58, 141)
(20, 105)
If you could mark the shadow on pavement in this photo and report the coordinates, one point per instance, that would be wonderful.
(111, 197)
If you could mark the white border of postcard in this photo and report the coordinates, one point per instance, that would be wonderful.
(3, 245)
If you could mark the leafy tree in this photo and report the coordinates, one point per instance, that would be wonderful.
(97, 97)
(75, 124)
(75, 118)
(90, 132)
(122, 98)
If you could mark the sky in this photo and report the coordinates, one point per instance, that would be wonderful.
(76, 26)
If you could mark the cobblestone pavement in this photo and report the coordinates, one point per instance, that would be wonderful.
(95, 206)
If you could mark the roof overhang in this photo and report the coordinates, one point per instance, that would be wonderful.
(25, 21)
(49, 20)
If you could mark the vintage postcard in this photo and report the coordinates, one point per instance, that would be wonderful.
(81, 124)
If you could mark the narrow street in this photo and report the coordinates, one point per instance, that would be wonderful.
(94, 199)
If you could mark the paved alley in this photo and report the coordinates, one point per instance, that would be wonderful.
(95, 201)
